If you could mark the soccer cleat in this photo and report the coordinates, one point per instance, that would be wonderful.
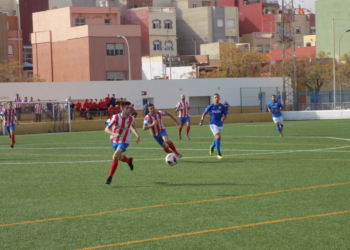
(131, 166)
(219, 156)
(211, 150)
(281, 135)
(179, 156)
(109, 180)
(180, 137)
(188, 138)
(11, 145)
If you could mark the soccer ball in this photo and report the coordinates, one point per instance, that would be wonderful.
(171, 159)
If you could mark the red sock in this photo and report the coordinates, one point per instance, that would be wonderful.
(179, 130)
(187, 130)
(113, 167)
(125, 159)
(172, 146)
(167, 150)
(13, 139)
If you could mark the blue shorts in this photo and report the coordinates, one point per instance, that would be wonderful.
(11, 127)
(121, 145)
(159, 138)
(184, 119)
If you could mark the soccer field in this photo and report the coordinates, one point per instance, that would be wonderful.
(266, 193)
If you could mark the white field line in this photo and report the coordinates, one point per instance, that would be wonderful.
(154, 159)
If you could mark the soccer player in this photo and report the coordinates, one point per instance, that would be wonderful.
(8, 115)
(153, 121)
(218, 114)
(275, 108)
(184, 117)
(119, 126)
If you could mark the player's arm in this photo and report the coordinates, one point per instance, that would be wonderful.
(110, 132)
(133, 129)
(172, 117)
(148, 126)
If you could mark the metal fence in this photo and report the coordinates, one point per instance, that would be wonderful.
(323, 100)
(256, 99)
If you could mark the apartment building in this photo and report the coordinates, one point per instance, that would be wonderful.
(85, 44)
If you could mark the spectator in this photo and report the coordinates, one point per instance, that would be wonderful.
(85, 105)
(77, 106)
(18, 106)
(68, 104)
(107, 100)
(88, 114)
(31, 105)
(145, 109)
(38, 111)
(116, 109)
(49, 108)
(24, 106)
(132, 111)
(226, 106)
(113, 100)
(111, 110)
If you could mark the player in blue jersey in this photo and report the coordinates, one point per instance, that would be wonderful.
(275, 108)
(218, 114)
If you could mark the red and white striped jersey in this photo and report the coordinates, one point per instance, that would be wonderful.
(183, 112)
(9, 116)
(38, 108)
(121, 126)
(17, 105)
(26, 104)
(149, 119)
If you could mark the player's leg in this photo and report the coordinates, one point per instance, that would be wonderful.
(179, 128)
(123, 157)
(188, 126)
(163, 144)
(171, 145)
(217, 140)
(114, 164)
(12, 132)
(277, 121)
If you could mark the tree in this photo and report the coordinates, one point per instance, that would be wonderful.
(235, 62)
(9, 72)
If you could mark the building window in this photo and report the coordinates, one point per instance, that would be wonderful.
(10, 49)
(260, 48)
(230, 23)
(115, 49)
(168, 24)
(27, 54)
(308, 44)
(135, 6)
(194, 5)
(168, 45)
(79, 21)
(297, 30)
(156, 24)
(116, 76)
(108, 21)
(157, 45)
(268, 48)
(220, 22)
(313, 30)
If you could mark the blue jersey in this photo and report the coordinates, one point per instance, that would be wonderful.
(216, 112)
(273, 106)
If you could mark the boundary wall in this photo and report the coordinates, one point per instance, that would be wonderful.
(314, 115)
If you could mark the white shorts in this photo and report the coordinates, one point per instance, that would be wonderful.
(278, 120)
(215, 129)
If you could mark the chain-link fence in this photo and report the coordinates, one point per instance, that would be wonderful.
(323, 100)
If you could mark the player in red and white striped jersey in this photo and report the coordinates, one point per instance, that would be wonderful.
(153, 122)
(119, 127)
(38, 111)
(8, 115)
(184, 116)
(18, 106)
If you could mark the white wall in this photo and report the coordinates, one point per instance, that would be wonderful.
(166, 93)
(314, 115)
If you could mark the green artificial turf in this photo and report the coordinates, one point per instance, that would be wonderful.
(266, 193)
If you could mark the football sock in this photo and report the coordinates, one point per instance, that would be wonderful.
(125, 159)
(213, 144)
(179, 129)
(217, 142)
(187, 130)
(13, 138)
(278, 128)
(172, 146)
(113, 167)
(167, 150)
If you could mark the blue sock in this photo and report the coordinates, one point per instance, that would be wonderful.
(213, 144)
(217, 142)
(278, 128)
